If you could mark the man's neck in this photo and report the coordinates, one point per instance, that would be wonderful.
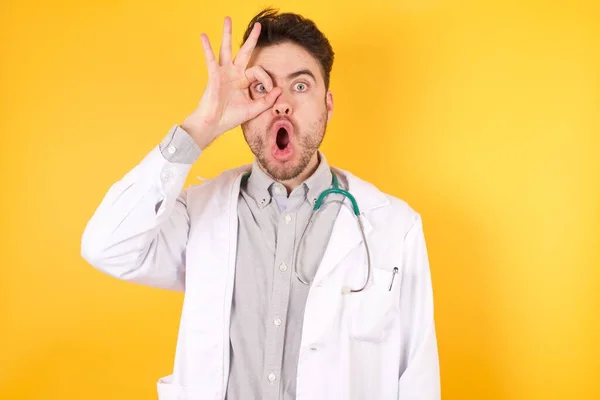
(304, 175)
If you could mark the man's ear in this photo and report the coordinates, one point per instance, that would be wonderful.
(329, 104)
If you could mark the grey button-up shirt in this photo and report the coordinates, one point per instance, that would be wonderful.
(268, 298)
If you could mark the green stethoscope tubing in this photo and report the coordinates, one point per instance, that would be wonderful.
(319, 203)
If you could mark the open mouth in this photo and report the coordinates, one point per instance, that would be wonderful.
(282, 149)
(283, 138)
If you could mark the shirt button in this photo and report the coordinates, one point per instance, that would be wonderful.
(171, 149)
(272, 377)
(277, 322)
(283, 267)
(287, 218)
(277, 190)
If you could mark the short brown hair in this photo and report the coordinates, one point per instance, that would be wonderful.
(278, 28)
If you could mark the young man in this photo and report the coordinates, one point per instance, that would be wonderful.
(275, 307)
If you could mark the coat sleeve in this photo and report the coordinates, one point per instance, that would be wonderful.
(139, 231)
(419, 374)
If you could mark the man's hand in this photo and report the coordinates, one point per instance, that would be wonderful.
(226, 101)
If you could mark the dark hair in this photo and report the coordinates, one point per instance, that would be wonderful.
(279, 28)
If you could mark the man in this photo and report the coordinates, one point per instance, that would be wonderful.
(275, 307)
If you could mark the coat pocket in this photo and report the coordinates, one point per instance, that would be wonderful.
(377, 307)
(167, 390)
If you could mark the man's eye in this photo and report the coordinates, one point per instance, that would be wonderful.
(301, 87)
(261, 88)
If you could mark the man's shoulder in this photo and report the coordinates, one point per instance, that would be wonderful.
(220, 184)
(390, 206)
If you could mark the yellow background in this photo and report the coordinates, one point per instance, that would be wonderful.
(483, 115)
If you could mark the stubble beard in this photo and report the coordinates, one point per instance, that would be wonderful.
(307, 143)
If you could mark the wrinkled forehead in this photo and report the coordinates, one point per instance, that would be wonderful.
(283, 60)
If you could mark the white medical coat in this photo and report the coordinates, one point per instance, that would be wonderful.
(379, 344)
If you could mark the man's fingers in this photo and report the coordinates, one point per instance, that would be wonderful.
(262, 103)
(208, 53)
(265, 102)
(243, 56)
(225, 52)
(257, 73)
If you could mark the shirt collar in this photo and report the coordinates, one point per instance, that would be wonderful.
(262, 187)
(319, 181)
(259, 184)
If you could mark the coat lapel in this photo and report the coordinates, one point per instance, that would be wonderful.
(346, 235)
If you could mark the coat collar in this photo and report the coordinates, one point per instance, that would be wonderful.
(366, 194)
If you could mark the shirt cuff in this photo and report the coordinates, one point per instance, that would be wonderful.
(179, 147)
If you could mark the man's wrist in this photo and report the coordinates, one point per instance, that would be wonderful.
(179, 146)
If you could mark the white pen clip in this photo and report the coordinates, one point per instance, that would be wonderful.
(394, 272)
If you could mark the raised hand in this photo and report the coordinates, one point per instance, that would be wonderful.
(226, 102)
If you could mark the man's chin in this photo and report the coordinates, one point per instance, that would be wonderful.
(282, 171)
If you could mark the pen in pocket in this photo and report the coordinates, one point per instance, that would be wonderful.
(394, 272)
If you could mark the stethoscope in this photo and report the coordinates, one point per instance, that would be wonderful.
(335, 189)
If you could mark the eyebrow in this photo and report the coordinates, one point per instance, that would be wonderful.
(296, 74)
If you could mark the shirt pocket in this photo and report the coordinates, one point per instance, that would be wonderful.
(377, 307)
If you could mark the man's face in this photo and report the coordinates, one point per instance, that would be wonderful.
(286, 137)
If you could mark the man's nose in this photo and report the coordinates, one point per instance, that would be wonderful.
(282, 108)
